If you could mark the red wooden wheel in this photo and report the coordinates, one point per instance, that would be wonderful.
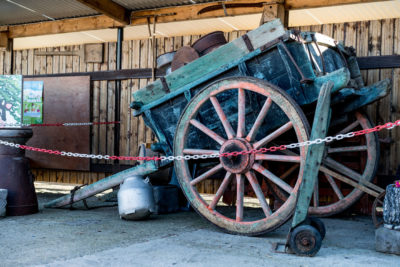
(235, 114)
(351, 158)
(354, 158)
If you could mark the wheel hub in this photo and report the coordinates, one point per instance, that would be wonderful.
(239, 163)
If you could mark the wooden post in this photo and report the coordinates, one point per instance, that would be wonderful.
(274, 11)
(4, 41)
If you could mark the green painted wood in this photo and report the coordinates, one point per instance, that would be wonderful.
(219, 58)
(103, 184)
(314, 154)
(366, 96)
(143, 108)
(340, 78)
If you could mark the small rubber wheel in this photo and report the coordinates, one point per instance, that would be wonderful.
(305, 240)
(319, 225)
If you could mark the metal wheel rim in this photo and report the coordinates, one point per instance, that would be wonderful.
(378, 201)
(295, 115)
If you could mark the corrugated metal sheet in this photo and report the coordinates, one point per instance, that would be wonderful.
(150, 4)
(28, 11)
(345, 13)
(13, 14)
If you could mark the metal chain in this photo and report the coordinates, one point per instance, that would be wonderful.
(56, 124)
(328, 139)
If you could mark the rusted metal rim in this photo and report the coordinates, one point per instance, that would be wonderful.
(370, 147)
(378, 202)
(246, 167)
(165, 59)
(209, 42)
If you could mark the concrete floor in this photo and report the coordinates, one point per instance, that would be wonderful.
(61, 237)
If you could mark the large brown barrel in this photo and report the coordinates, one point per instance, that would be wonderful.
(15, 175)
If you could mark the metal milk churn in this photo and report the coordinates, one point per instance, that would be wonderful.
(15, 174)
(135, 198)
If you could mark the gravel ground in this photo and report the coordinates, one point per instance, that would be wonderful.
(98, 237)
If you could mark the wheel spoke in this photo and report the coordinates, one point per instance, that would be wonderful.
(334, 186)
(273, 178)
(227, 126)
(207, 131)
(241, 128)
(206, 174)
(281, 130)
(239, 197)
(347, 149)
(282, 158)
(221, 190)
(194, 151)
(341, 168)
(316, 193)
(289, 171)
(260, 118)
(348, 181)
(259, 193)
(349, 173)
(349, 128)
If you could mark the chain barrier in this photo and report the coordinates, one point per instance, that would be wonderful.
(328, 139)
(57, 124)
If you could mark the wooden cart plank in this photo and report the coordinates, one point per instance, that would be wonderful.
(211, 62)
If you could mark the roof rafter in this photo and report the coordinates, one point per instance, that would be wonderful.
(110, 9)
(63, 26)
(202, 11)
(301, 4)
(170, 14)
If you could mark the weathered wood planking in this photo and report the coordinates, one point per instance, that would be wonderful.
(395, 101)
(357, 34)
(384, 105)
(199, 69)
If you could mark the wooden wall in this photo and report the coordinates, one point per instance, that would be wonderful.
(369, 38)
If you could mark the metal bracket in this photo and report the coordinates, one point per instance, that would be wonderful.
(304, 79)
(248, 43)
(164, 85)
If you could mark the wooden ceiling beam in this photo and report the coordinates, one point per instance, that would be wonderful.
(302, 4)
(110, 9)
(202, 11)
(170, 14)
(63, 26)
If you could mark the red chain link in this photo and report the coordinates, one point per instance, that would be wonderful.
(377, 128)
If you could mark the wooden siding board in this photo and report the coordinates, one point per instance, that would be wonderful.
(369, 38)
(395, 102)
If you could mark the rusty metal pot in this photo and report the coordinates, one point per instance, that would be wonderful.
(183, 56)
(15, 175)
(209, 42)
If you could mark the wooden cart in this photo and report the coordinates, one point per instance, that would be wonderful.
(257, 91)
